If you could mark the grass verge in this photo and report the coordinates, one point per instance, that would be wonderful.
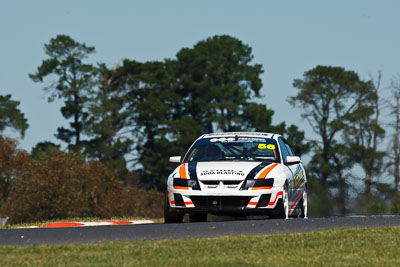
(341, 247)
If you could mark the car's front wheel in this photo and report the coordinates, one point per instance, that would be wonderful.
(281, 210)
(169, 215)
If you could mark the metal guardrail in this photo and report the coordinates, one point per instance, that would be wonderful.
(3, 221)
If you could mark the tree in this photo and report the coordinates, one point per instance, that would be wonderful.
(73, 85)
(330, 99)
(11, 161)
(11, 116)
(258, 118)
(63, 186)
(296, 138)
(364, 133)
(394, 154)
(217, 81)
(10, 157)
(163, 128)
(44, 150)
(110, 120)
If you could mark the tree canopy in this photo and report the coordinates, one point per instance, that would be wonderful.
(11, 116)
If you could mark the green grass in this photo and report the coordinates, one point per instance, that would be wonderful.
(342, 247)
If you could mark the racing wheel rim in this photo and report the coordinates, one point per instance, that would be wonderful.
(305, 204)
(286, 201)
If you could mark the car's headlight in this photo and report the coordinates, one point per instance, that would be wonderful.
(192, 183)
(185, 184)
(249, 183)
(258, 184)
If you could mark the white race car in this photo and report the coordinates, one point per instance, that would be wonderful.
(236, 174)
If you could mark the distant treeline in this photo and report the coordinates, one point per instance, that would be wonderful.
(135, 115)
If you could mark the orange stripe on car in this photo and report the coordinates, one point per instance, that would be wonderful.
(261, 187)
(266, 171)
(271, 203)
(181, 187)
(253, 203)
(189, 203)
(182, 171)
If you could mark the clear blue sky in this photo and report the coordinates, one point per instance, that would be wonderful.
(287, 37)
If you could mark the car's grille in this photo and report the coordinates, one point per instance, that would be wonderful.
(218, 201)
(210, 182)
(224, 182)
(234, 182)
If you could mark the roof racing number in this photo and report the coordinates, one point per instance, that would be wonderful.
(265, 146)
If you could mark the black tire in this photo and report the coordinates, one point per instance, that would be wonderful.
(169, 215)
(280, 209)
(197, 217)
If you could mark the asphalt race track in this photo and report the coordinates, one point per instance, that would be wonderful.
(73, 235)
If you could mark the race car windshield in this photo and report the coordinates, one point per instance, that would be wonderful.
(234, 149)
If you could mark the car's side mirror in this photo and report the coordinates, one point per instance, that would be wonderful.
(293, 159)
(175, 159)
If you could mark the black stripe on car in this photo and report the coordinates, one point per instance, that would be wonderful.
(180, 182)
(264, 182)
(253, 173)
(192, 168)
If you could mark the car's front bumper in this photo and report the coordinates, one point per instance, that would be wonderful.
(244, 202)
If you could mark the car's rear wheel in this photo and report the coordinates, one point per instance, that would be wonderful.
(281, 210)
(198, 217)
(303, 205)
(169, 215)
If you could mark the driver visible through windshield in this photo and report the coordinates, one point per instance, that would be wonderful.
(234, 149)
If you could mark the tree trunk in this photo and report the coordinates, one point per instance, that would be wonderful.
(342, 194)
(396, 147)
(76, 119)
(368, 181)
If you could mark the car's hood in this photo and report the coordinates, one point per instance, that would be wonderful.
(227, 170)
